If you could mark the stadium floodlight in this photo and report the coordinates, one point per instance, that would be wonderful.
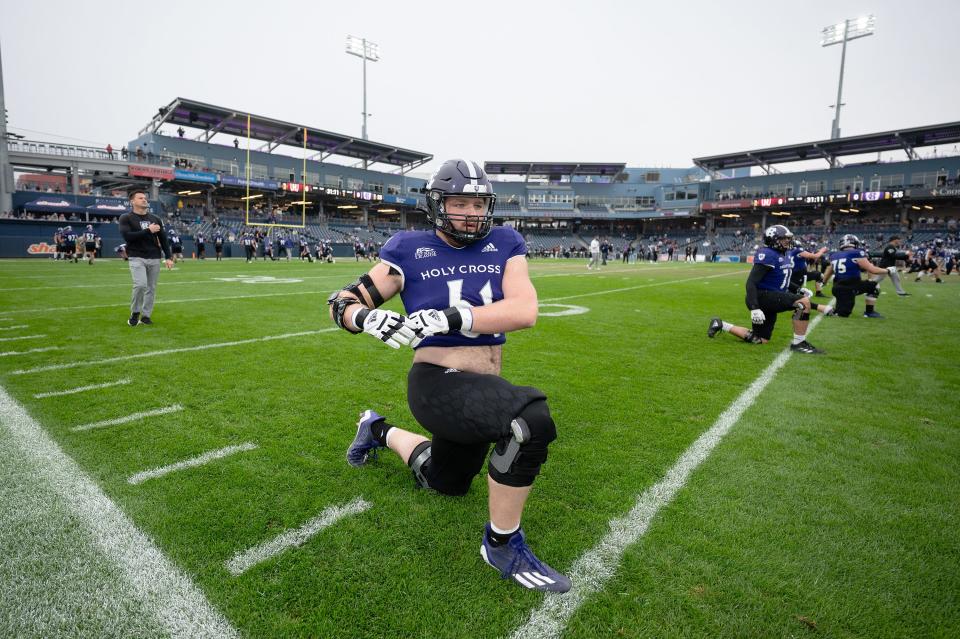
(366, 50)
(841, 33)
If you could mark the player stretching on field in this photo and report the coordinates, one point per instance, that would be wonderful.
(845, 267)
(767, 295)
(464, 285)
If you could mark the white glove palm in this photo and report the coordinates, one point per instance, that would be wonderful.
(806, 292)
(757, 316)
(389, 327)
(892, 270)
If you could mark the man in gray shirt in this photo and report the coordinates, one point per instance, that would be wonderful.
(146, 240)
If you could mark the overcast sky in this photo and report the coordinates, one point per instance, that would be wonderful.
(649, 84)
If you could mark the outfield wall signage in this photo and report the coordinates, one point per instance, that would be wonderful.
(155, 172)
(41, 248)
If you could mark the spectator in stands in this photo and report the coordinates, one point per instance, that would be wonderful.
(110, 150)
(236, 143)
(124, 153)
(180, 131)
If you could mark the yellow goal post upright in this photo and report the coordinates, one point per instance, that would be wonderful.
(303, 190)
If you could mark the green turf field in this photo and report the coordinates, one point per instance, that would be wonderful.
(830, 508)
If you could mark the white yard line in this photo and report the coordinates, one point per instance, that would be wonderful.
(80, 389)
(166, 410)
(162, 302)
(616, 271)
(193, 462)
(151, 579)
(32, 350)
(632, 288)
(591, 572)
(168, 351)
(13, 339)
(12, 328)
(243, 561)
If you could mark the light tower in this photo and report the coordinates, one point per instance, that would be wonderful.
(841, 33)
(363, 48)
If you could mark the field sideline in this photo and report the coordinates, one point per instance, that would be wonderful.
(188, 479)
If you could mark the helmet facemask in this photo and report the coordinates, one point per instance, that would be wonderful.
(444, 220)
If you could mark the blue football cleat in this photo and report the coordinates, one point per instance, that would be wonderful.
(873, 314)
(516, 561)
(364, 446)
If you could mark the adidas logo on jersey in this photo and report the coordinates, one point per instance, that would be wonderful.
(489, 248)
(423, 252)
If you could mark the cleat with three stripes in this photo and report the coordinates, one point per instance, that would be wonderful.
(517, 562)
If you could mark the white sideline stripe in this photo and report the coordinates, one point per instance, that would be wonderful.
(590, 573)
(200, 460)
(10, 328)
(13, 339)
(243, 561)
(80, 389)
(166, 410)
(632, 288)
(127, 304)
(164, 590)
(212, 280)
(32, 350)
(168, 351)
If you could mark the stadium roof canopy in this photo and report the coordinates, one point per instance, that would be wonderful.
(906, 140)
(211, 120)
(529, 169)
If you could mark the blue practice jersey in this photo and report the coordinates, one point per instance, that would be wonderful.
(799, 263)
(844, 263)
(436, 275)
(778, 276)
(71, 238)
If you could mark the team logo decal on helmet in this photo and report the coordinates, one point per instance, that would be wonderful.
(778, 237)
(465, 179)
(849, 241)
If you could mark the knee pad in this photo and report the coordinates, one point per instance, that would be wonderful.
(517, 458)
(420, 464)
(423, 474)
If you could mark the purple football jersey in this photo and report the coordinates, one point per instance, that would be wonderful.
(436, 275)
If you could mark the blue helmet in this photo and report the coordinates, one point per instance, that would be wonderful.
(849, 241)
(89, 227)
(465, 179)
(778, 237)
